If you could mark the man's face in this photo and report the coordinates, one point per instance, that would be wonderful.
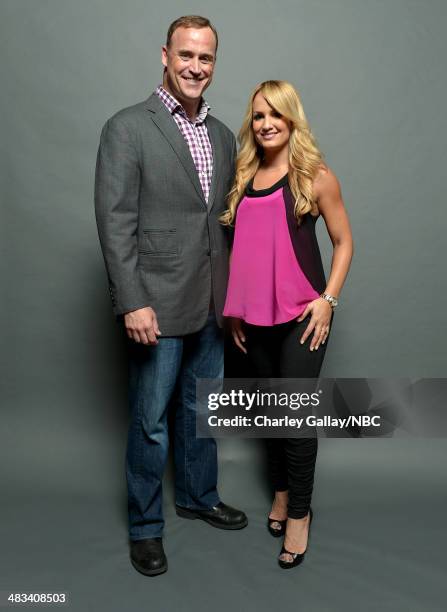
(189, 62)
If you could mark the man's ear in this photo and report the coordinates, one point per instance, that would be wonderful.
(164, 55)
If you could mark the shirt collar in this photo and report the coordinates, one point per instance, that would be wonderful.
(174, 105)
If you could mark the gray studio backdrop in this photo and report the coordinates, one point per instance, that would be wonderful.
(373, 85)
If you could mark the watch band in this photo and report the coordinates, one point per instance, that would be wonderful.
(331, 299)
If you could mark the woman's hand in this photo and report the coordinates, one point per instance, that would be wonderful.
(237, 333)
(319, 322)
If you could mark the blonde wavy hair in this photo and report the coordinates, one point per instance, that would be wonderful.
(305, 158)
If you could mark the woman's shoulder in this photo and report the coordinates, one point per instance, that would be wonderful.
(325, 182)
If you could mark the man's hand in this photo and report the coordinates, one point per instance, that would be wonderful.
(142, 326)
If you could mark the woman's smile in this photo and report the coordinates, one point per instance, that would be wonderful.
(269, 135)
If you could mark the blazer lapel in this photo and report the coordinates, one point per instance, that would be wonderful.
(218, 160)
(167, 125)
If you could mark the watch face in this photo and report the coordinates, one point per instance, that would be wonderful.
(332, 301)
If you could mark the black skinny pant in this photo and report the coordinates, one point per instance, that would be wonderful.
(276, 352)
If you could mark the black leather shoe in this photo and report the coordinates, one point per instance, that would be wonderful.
(220, 516)
(148, 557)
(297, 557)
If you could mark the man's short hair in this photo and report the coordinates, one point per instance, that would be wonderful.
(190, 21)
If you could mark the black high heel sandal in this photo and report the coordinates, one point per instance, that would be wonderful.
(297, 557)
(276, 533)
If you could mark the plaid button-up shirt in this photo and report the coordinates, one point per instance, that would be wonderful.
(196, 135)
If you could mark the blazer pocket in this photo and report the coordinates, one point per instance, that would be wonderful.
(159, 242)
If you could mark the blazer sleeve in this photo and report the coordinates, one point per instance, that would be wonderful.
(117, 185)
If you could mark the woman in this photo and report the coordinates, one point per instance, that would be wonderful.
(280, 305)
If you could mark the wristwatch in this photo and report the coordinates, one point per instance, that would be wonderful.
(330, 298)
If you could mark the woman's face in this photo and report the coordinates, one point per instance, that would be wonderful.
(271, 129)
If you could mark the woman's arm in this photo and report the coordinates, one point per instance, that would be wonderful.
(236, 328)
(330, 204)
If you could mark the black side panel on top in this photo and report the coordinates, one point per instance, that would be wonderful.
(305, 244)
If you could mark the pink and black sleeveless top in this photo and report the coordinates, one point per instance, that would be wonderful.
(276, 267)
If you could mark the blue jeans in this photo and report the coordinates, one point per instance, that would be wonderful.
(161, 376)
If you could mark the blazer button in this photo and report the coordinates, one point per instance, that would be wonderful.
(208, 252)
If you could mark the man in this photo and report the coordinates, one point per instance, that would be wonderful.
(163, 170)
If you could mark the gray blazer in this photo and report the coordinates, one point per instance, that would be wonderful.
(162, 243)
